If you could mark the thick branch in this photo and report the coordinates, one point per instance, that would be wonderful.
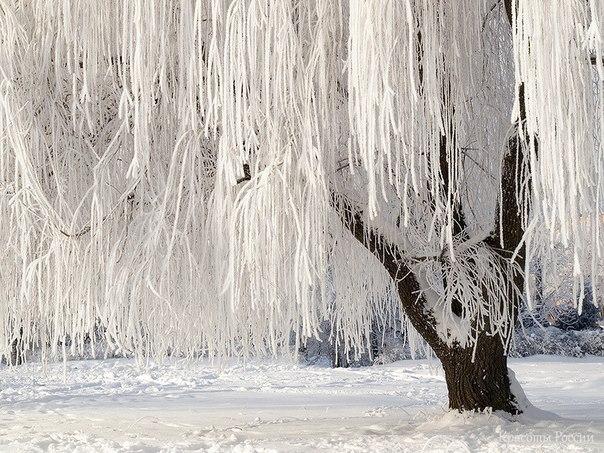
(412, 300)
(247, 175)
(446, 169)
(509, 231)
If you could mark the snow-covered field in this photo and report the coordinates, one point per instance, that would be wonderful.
(112, 405)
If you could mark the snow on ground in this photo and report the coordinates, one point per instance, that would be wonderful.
(113, 405)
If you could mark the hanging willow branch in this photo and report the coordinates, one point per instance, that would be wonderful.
(233, 121)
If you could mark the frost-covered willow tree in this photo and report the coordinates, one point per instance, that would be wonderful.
(218, 177)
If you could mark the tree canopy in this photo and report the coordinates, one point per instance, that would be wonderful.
(220, 176)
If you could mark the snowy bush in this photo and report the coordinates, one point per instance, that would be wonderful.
(556, 327)
(388, 345)
(554, 341)
(567, 317)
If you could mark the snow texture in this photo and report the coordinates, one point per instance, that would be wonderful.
(113, 405)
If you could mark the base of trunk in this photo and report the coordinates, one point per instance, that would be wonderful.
(481, 384)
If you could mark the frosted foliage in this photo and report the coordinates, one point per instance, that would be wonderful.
(170, 171)
(415, 70)
(559, 61)
(358, 305)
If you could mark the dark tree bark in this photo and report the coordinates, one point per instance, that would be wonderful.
(480, 382)
(477, 378)
(17, 351)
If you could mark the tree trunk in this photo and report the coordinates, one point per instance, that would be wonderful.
(17, 352)
(476, 381)
(482, 383)
(477, 378)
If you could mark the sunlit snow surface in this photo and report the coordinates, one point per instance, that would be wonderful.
(112, 405)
